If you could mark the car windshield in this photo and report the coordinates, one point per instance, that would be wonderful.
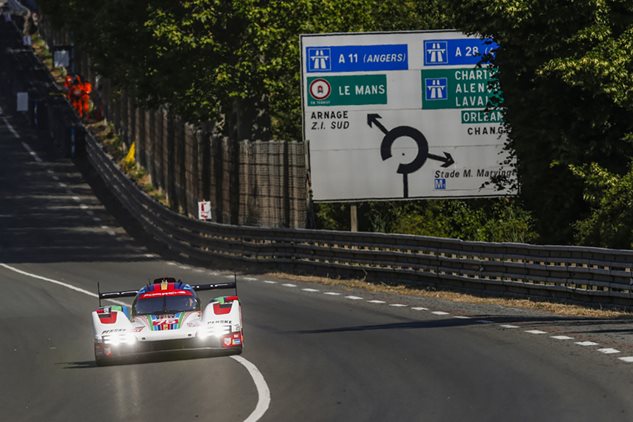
(165, 305)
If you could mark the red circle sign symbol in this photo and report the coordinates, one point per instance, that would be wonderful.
(320, 89)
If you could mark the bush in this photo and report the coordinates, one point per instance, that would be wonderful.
(610, 223)
(490, 220)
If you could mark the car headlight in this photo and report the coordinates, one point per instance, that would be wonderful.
(220, 330)
(117, 339)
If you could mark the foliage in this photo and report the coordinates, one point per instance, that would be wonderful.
(236, 59)
(490, 220)
(567, 76)
(610, 223)
(564, 66)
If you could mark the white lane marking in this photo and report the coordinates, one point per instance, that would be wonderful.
(485, 321)
(535, 332)
(171, 263)
(397, 305)
(249, 278)
(376, 301)
(104, 227)
(151, 255)
(609, 351)
(59, 283)
(62, 185)
(11, 128)
(562, 337)
(56, 178)
(270, 282)
(49, 171)
(627, 359)
(83, 206)
(31, 152)
(199, 270)
(111, 233)
(439, 313)
(310, 290)
(231, 277)
(419, 308)
(214, 273)
(76, 198)
(263, 392)
(586, 343)
(353, 297)
(508, 326)
(184, 267)
(96, 219)
(332, 294)
(462, 317)
(289, 285)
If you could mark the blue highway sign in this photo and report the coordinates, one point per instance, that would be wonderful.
(455, 52)
(355, 58)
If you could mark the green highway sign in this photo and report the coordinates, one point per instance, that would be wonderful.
(459, 88)
(470, 117)
(347, 90)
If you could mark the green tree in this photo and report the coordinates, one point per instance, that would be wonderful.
(566, 73)
(610, 223)
(237, 59)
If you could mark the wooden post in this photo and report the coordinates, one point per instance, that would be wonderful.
(353, 217)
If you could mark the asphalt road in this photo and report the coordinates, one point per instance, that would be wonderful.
(323, 356)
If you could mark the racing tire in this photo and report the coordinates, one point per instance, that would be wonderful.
(101, 360)
(234, 351)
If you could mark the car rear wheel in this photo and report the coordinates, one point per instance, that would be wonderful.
(101, 358)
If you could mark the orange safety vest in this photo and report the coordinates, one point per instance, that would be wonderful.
(85, 97)
(76, 91)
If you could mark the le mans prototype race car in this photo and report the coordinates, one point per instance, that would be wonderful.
(166, 315)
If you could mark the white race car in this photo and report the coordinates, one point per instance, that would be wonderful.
(166, 315)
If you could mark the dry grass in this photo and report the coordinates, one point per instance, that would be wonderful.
(537, 305)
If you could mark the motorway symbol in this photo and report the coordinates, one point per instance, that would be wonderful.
(423, 149)
(436, 52)
(435, 89)
(319, 59)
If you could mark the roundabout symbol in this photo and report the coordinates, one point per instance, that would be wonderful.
(423, 149)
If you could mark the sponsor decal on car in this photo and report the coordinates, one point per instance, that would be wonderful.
(166, 293)
(166, 322)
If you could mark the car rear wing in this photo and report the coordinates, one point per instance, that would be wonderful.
(197, 287)
(213, 286)
(114, 295)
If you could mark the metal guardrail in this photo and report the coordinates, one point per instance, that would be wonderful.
(561, 272)
(580, 273)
